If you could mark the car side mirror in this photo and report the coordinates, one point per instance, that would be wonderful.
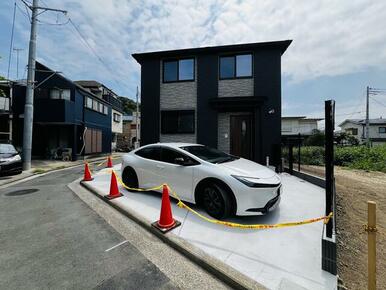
(179, 161)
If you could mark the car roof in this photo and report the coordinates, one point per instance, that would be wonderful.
(175, 144)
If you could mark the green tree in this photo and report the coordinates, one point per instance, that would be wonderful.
(128, 105)
(316, 139)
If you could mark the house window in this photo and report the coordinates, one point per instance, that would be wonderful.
(105, 110)
(100, 108)
(117, 117)
(88, 103)
(177, 122)
(382, 130)
(95, 105)
(57, 94)
(236, 66)
(178, 70)
(353, 131)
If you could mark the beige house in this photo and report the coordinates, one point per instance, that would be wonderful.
(298, 124)
(357, 129)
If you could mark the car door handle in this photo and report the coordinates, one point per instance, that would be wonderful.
(160, 166)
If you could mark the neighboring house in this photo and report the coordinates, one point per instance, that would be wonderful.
(103, 92)
(65, 116)
(228, 97)
(291, 127)
(357, 129)
(6, 110)
(127, 139)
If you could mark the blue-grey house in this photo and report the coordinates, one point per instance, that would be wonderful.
(65, 116)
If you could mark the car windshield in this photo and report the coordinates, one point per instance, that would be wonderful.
(209, 154)
(7, 149)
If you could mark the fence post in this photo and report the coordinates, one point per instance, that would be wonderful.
(371, 241)
(290, 159)
(299, 145)
(329, 160)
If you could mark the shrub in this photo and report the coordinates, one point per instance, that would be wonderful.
(356, 157)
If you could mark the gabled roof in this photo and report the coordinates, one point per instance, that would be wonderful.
(88, 83)
(300, 118)
(281, 45)
(378, 121)
(42, 68)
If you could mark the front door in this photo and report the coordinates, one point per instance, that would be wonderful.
(241, 136)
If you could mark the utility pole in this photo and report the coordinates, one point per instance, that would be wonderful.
(17, 61)
(136, 145)
(29, 98)
(367, 117)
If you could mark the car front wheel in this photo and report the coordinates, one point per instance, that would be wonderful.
(216, 201)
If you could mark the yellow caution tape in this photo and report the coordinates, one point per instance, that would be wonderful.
(181, 204)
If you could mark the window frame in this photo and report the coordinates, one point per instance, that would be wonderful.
(234, 55)
(116, 117)
(147, 148)
(380, 132)
(178, 69)
(185, 156)
(162, 129)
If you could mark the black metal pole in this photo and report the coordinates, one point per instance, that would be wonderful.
(290, 159)
(329, 160)
(299, 145)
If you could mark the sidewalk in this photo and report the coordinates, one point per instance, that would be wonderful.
(43, 166)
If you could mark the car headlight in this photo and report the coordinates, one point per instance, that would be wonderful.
(254, 181)
(11, 159)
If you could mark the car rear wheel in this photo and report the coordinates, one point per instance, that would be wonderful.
(216, 201)
(129, 177)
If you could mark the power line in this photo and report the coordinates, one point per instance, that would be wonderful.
(11, 44)
(94, 52)
(380, 103)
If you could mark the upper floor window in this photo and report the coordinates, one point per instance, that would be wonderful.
(94, 105)
(236, 66)
(382, 130)
(57, 94)
(117, 117)
(178, 70)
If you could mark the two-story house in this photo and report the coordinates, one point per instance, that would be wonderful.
(111, 97)
(357, 129)
(227, 97)
(65, 116)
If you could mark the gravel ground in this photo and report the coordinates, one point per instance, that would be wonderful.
(354, 189)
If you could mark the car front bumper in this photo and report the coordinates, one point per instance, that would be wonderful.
(11, 167)
(258, 201)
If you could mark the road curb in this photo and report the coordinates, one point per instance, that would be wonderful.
(217, 268)
(35, 175)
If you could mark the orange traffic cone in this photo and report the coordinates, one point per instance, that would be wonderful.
(114, 191)
(87, 174)
(109, 162)
(166, 221)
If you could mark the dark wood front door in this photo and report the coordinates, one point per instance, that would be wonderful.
(241, 136)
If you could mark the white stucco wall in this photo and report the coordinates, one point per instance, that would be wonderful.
(116, 127)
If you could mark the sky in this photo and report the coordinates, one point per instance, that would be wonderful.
(338, 48)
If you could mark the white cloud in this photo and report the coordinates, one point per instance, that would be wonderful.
(330, 37)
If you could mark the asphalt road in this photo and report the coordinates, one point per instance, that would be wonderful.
(50, 239)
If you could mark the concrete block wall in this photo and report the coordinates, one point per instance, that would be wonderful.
(235, 88)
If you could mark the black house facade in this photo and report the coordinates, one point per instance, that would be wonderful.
(227, 97)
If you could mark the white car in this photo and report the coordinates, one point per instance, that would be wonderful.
(221, 183)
